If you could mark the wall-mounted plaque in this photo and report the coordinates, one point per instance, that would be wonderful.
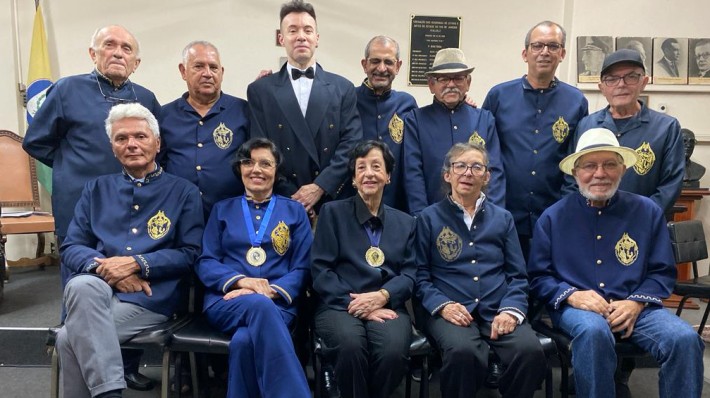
(699, 61)
(670, 55)
(591, 51)
(644, 46)
(427, 36)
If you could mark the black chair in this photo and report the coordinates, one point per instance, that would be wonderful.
(419, 350)
(157, 336)
(199, 337)
(689, 246)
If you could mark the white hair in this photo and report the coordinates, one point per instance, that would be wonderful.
(133, 110)
(95, 37)
(204, 43)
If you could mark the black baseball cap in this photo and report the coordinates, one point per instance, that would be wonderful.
(625, 55)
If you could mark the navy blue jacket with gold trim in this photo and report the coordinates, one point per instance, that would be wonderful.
(429, 132)
(658, 173)
(287, 243)
(315, 148)
(535, 129)
(481, 268)
(377, 113)
(158, 221)
(338, 261)
(622, 251)
(68, 134)
(201, 149)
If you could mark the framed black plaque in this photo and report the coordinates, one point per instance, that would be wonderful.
(427, 36)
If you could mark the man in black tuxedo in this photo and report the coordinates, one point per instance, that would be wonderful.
(309, 113)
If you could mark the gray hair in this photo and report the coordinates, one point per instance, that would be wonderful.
(95, 37)
(546, 24)
(133, 110)
(204, 43)
(457, 150)
(382, 40)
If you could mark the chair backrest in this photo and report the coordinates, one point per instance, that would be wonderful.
(688, 239)
(18, 175)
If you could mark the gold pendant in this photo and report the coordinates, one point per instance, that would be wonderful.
(374, 256)
(256, 256)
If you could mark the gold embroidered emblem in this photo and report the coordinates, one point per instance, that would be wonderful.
(449, 244)
(396, 127)
(158, 225)
(222, 136)
(627, 251)
(646, 159)
(280, 238)
(560, 130)
(476, 139)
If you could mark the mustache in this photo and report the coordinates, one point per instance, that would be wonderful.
(454, 90)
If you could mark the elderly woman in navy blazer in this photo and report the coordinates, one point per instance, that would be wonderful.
(472, 284)
(254, 266)
(363, 273)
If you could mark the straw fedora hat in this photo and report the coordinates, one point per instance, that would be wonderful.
(597, 140)
(449, 60)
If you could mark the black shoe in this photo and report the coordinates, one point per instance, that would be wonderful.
(137, 381)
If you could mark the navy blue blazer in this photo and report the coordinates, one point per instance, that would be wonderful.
(315, 148)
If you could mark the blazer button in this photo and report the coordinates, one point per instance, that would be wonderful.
(331, 125)
(293, 175)
(280, 125)
(325, 149)
(316, 172)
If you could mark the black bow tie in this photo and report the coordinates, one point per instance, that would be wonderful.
(296, 74)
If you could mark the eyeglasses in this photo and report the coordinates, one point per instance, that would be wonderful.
(116, 100)
(593, 167)
(460, 79)
(702, 55)
(630, 79)
(460, 168)
(551, 47)
(263, 164)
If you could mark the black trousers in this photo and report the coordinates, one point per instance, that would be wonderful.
(465, 350)
(369, 358)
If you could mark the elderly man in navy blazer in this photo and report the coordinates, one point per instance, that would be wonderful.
(309, 113)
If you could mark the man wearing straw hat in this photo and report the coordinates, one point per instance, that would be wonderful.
(431, 130)
(601, 259)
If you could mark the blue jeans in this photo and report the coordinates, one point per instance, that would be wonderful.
(669, 339)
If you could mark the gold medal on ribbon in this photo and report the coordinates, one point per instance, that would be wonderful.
(374, 256)
(256, 256)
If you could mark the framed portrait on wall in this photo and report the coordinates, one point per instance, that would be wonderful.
(670, 57)
(699, 61)
(591, 51)
(644, 46)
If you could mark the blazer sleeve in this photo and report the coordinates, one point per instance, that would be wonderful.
(414, 183)
(47, 128)
(333, 176)
(291, 285)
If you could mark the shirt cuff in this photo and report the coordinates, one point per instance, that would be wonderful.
(516, 314)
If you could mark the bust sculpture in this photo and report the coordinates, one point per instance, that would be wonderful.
(693, 171)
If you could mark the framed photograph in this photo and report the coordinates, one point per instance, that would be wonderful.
(644, 46)
(644, 99)
(591, 51)
(699, 61)
(670, 57)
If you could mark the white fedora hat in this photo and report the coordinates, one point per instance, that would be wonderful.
(449, 60)
(597, 140)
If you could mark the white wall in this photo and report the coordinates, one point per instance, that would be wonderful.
(244, 31)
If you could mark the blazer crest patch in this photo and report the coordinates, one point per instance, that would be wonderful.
(281, 238)
(396, 128)
(560, 130)
(627, 251)
(158, 225)
(222, 136)
(449, 244)
(646, 159)
(476, 139)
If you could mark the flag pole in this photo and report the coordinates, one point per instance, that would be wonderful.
(21, 88)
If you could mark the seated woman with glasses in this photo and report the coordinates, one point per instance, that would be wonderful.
(254, 266)
(363, 273)
(472, 285)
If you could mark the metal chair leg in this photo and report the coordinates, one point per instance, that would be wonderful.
(54, 379)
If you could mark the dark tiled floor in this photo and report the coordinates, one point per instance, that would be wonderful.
(32, 301)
